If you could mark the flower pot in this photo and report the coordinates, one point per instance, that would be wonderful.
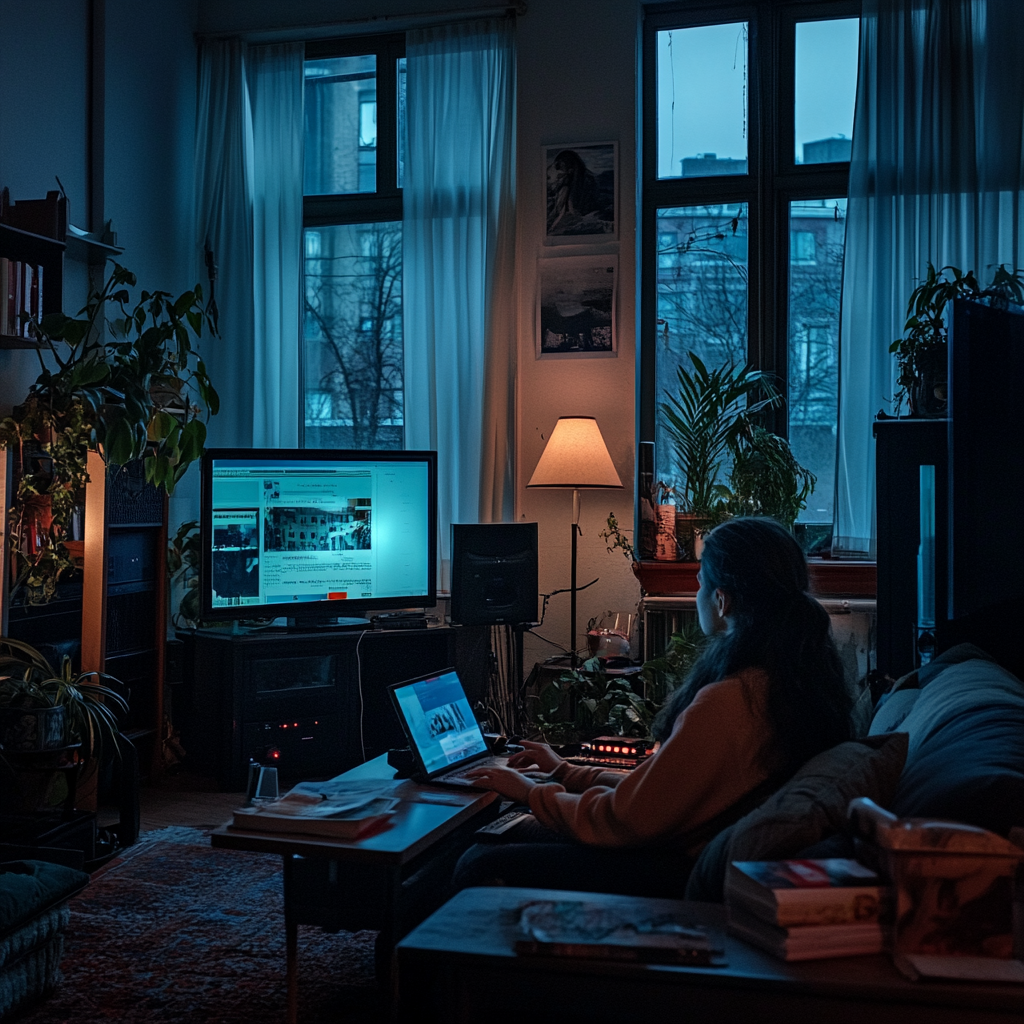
(32, 730)
(928, 395)
(690, 530)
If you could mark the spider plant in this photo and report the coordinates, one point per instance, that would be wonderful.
(91, 708)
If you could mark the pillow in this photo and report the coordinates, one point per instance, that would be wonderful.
(808, 808)
(28, 887)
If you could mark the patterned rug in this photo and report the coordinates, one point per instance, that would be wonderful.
(175, 931)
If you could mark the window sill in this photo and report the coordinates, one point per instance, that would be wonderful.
(829, 577)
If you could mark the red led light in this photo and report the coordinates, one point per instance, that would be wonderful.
(296, 725)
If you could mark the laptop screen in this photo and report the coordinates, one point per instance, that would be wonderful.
(439, 720)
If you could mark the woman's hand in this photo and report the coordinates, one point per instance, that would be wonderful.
(506, 781)
(536, 755)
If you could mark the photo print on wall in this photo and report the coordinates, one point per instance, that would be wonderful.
(581, 195)
(576, 306)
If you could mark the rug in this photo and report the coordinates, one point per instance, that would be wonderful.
(176, 931)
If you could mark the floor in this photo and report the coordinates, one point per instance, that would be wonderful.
(191, 801)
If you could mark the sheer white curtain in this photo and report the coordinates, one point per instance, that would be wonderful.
(458, 260)
(249, 211)
(937, 174)
(275, 77)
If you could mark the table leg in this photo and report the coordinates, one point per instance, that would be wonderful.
(292, 957)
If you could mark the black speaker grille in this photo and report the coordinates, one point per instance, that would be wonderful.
(494, 573)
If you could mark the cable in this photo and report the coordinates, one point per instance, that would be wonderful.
(359, 683)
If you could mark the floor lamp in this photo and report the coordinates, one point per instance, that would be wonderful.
(575, 456)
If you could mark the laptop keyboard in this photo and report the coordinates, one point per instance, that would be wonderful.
(458, 776)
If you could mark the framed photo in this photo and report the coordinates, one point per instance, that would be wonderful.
(580, 185)
(576, 306)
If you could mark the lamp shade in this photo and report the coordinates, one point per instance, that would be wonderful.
(575, 456)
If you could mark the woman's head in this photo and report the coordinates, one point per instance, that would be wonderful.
(754, 605)
(750, 567)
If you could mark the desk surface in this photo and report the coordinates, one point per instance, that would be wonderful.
(481, 925)
(425, 815)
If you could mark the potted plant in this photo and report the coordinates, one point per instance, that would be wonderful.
(127, 382)
(705, 420)
(766, 480)
(183, 558)
(922, 352)
(52, 720)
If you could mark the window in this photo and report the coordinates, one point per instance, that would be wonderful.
(748, 114)
(353, 359)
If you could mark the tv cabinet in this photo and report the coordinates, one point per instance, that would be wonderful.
(318, 698)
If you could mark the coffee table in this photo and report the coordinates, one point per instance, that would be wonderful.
(387, 881)
(459, 966)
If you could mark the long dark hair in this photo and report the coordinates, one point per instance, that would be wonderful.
(776, 627)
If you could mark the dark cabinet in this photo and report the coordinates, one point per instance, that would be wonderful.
(314, 703)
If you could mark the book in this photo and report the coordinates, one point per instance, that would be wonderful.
(806, 892)
(305, 812)
(5, 276)
(581, 928)
(806, 942)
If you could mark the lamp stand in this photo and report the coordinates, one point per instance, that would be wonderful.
(572, 578)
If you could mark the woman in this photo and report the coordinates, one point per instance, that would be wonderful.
(766, 694)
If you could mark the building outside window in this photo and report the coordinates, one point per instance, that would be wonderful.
(352, 346)
(748, 115)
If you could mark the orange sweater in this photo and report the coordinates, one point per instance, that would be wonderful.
(706, 765)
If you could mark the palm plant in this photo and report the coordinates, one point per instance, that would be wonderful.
(705, 419)
(91, 708)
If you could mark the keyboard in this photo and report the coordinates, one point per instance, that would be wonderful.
(458, 775)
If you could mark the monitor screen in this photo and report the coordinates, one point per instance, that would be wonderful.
(317, 533)
(439, 720)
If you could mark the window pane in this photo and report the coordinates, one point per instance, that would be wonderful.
(815, 280)
(702, 101)
(702, 299)
(826, 86)
(352, 336)
(341, 125)
(401, 121)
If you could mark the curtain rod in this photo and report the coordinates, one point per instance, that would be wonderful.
(369, 23)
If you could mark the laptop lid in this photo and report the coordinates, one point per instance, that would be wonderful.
(435, 714)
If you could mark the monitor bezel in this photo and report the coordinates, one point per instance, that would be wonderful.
(310, 609)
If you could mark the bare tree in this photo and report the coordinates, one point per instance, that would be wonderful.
(353, 306)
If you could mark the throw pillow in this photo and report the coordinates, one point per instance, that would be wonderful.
(807, 809)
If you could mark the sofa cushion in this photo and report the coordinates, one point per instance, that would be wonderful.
(966, 756)
(30, 887)
(807, 809)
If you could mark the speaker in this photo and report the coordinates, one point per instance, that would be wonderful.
(494, 573)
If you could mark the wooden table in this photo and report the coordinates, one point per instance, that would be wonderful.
(459, 966)
(359, 884)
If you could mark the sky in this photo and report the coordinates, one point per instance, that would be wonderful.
(702, 88)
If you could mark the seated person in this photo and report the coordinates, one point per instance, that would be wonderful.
(766, 694)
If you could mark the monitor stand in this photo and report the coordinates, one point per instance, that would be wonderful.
(311, 623)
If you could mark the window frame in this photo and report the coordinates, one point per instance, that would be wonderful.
(382, 205)
(773, 180)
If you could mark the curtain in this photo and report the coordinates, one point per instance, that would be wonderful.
(275, 77)
(458, 265)
(249, 212)
(223, 191)
(936, 175)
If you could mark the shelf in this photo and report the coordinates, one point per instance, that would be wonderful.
(16, 341)
(90, 246)
(30, 247)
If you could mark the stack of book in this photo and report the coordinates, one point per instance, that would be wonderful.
(806, 909)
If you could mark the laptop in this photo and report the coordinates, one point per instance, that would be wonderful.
(443, 732)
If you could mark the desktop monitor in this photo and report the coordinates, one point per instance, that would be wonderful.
(316, 534)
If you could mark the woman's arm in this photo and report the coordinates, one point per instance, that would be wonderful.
(708, 763)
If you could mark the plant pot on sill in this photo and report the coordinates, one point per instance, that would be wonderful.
(690, 530)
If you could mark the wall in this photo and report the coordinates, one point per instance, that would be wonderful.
(44, 61)
(146, 143)
(577, 64)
